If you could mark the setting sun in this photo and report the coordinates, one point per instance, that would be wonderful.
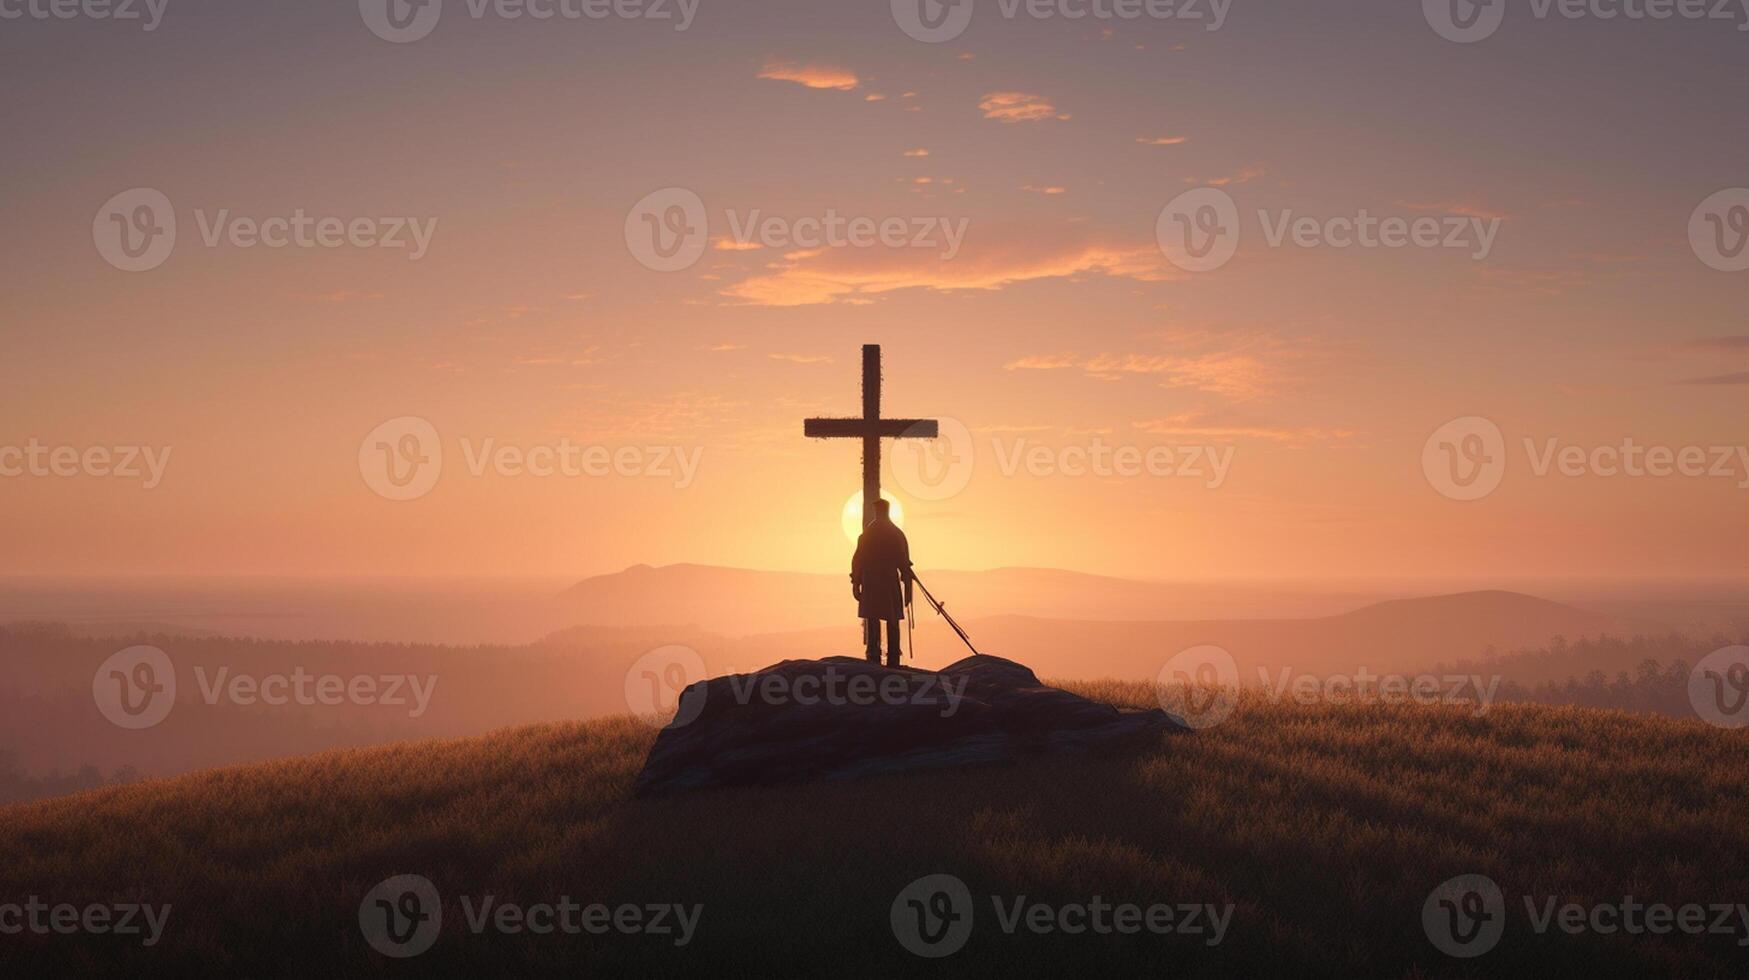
(852, 516)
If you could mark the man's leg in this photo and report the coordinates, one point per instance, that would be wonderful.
(871, 633)
(894, 648)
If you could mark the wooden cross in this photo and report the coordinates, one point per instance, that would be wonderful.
(870, 429)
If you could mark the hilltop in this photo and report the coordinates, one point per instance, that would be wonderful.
(1325, 827)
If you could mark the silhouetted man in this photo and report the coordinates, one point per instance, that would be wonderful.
(881, 564)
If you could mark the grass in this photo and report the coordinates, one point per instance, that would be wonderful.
(1325, 826)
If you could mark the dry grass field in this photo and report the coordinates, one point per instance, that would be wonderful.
(1324, 826)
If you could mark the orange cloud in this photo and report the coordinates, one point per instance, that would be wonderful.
(1237, 365)
(802, 358)
(856, 275)
(1162, 140)
(1244, 176)
(1201, 425)
(1460, 208)
(919, 152)
(813, 76)
(1013, 107)
(1045, 190)
(1042, 362)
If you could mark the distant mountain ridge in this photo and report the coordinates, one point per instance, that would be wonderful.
(742, 601)
(1061, 632)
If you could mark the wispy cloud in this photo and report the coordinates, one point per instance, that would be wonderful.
(1727, 343)
(1244, 176)
(1236, 364)
(813, 76)
(919, 152)
(852, 275)
(1162, 140)
(1735, 378)
(801, 358)
(1015, 107)
(1042, 362)
(1052, 189)
(1465, 208)
(1200, 424)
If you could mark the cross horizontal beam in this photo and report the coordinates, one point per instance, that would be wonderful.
(859, 428)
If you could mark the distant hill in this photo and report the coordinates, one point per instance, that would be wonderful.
(1292, 823)
(741, 601)
(1399, 635)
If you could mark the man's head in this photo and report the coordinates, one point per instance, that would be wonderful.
(883, 510)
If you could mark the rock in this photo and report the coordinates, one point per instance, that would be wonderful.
(844, 718)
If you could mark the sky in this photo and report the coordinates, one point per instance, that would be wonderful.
(614, 266)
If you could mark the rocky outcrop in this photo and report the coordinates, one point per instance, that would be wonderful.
(844, 718)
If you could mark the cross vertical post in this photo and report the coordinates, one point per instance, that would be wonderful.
(871, 440)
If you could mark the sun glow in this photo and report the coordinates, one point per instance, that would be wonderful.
(852, 516)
